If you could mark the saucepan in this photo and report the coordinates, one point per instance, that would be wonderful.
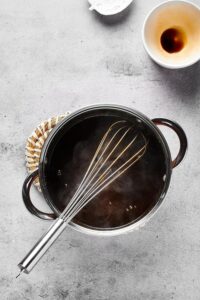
(127, 204)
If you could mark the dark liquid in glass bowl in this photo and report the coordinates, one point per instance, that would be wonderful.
(130, 197)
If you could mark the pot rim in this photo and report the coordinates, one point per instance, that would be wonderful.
(142, 219)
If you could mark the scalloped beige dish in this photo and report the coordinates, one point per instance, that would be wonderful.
(35, 143)
(109, 7)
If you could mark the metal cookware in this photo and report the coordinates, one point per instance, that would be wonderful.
(152, 174)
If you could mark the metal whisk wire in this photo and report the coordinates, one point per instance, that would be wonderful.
(87, 175)
(90, 185)
(105, 167)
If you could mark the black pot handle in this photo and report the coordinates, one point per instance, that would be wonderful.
(181, 135)
(27, 200)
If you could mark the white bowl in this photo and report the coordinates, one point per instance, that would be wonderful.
(109, 7)
(182, 15)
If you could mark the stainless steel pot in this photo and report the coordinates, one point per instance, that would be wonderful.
(91, 112)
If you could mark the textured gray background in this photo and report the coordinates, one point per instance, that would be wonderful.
(57, 56)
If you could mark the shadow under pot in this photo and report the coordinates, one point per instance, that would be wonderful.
(126, 203)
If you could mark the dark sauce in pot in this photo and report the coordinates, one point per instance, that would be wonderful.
(127, 199)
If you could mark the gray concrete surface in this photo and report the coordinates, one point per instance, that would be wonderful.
(57, 56)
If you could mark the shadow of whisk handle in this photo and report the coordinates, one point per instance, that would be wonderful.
(34, 255)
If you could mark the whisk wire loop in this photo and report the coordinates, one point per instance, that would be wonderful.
(96, 161)
(91, 185)
(83, 202)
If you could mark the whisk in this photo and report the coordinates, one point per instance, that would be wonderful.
(119, 149)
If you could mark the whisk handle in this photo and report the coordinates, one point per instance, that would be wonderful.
(44, 243)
